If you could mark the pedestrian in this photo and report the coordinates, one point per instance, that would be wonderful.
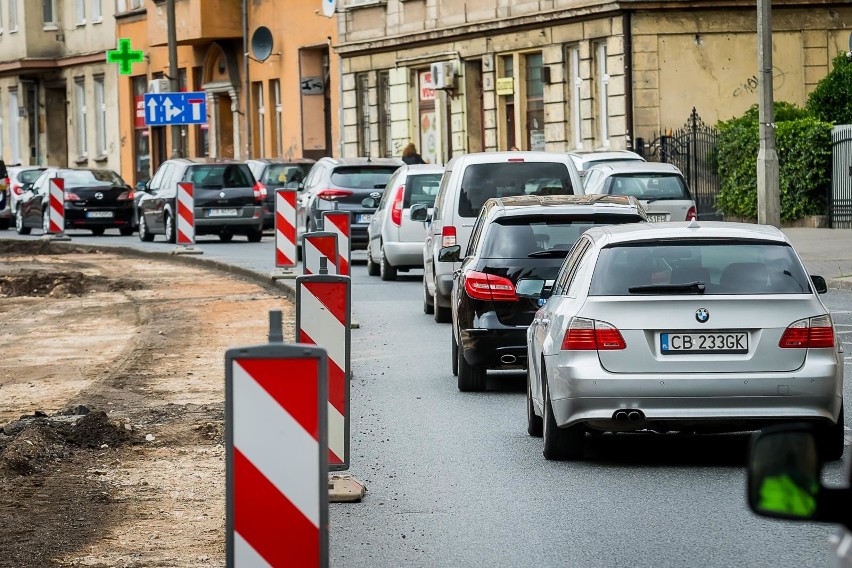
(3, 172)
(410, 155)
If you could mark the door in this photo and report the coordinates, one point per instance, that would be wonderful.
(57, 127)
(224, 126)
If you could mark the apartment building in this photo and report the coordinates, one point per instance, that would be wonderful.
(56, 89)
(459, 76)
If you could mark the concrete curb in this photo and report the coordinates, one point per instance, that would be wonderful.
(840, 283)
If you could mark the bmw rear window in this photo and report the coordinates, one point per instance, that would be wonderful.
(421, 188)
(649, 186)
(484, 181)
(220, 176)
(699, 267)
(360, 177)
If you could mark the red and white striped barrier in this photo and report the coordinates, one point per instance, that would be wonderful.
(285, 228)
(56, 214)
(338, 222)
(185, 213)
(323, 317)
(276, 460)
(316, 245)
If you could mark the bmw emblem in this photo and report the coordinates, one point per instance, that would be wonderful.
(222, 194)
(702, 315)
(99, 195)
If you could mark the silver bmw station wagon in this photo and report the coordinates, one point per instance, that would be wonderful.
(681, 327)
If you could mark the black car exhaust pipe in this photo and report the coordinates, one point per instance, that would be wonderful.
(508, 359)
(635, 416)
(620, 415)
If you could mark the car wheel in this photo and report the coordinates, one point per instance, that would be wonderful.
(455, 354)
(98, 231)
(19, 223)
(4, 224)
(254, 236)
(171, 236)
(470, 379)
(832, 439)
(125, 231)
(428, 307)
(45, 221)
(442, 314)
(372, 267)
(560, 443)
(386, 269)
(535, 425)
(144, 234)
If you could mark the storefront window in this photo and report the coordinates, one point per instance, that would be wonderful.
(508, 64)
(426, 109)
(535, 103)
(141, 146)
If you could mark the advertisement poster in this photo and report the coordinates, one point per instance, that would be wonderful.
(428, 137)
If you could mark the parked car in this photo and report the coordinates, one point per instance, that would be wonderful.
(395, 240)
(94, 199)
(585, 160)
(515, 237)
(659, 186)
(681, 326)
(18, 180)
(227, 200)
(276, 174)
(346, 181)
(467, 183)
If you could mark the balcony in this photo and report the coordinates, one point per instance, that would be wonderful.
(197, 21)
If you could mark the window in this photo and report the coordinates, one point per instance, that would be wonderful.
(1, 20)
(80, 114)
(508, 64)
(278, 135)
(14, 127)
(126, 5)
(484, 181)
(575, 90)
(569, 267)
(260, 149)
(48, 10)
(13, 15)
(535, 102)
(602, 92)
(385, 136)
(97, 12)
(100, 117)
(81, 12)
(362, 97)
(141, 148)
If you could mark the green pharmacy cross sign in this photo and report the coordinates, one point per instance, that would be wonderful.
(124, 56)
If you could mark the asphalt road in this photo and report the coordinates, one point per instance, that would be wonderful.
(453, 479)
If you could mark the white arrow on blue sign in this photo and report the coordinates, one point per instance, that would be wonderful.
(162, 109)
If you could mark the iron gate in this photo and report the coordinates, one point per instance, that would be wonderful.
(840, 206)
(692, 149)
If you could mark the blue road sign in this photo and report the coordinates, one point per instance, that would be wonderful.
(163, 109)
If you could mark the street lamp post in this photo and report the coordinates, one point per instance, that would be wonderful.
(768, 195)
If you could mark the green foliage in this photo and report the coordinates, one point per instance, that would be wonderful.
(803, 144)
(831, 101)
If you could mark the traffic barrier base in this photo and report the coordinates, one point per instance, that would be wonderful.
(283, 274)
(344, 488)
(187, 249)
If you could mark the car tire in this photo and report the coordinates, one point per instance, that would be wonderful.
(145, 235)
(833, 439)
(372, 268)
(535, 424)
(125, 231)
(560, 443)
(428, 306)
(470, 379)
(455, 354)
(386, 269)
(226, 237)
(19, 223)
(255, 236)
(441, 314)
(4, 224)
(171, 234)
(45, 221)
(98, 231)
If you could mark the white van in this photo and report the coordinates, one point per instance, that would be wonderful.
(468, 181)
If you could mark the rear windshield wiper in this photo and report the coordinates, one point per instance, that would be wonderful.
(653, 199)
(550, 253)
(685, 288)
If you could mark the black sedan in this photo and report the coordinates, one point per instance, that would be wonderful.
(96, 200)
(514, 238)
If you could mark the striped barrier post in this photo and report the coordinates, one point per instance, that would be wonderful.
(323, 310)
(186, 218)
(339, 222)
(276, 456)
(316, 245)
(55, 226)
(285, 233)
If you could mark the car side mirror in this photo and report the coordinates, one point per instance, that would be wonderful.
(450, 254)
(819, 284)
(419, 212)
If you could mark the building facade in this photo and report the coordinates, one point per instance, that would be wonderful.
(458, 76)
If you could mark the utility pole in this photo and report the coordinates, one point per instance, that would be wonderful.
(174, 85)
(768, 192)
(247, 83)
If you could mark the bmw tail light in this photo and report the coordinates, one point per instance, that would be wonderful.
(126, 196)
(691, 214)
(259, 191)
(333, 194)
(585, 334)
(396, 209)
(482, 286)
(810, 333)
(448, 236)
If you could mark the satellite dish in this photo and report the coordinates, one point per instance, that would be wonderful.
(261, 43)
(329, 7)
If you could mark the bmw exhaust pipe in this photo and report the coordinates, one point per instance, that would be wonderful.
(620, 415)
(508, 359)
(635, 416)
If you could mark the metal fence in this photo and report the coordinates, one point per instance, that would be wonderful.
(840, 202)
(692, 149)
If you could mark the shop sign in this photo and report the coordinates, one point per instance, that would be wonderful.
(427, 90)
(505, 85)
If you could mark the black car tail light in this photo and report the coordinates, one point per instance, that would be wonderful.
(482, 286)
(126, 196)
(333, 194)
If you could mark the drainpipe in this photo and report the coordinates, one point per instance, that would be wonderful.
(627, 30)
(247, 86)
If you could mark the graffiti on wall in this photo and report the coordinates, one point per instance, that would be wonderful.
(752, 84)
